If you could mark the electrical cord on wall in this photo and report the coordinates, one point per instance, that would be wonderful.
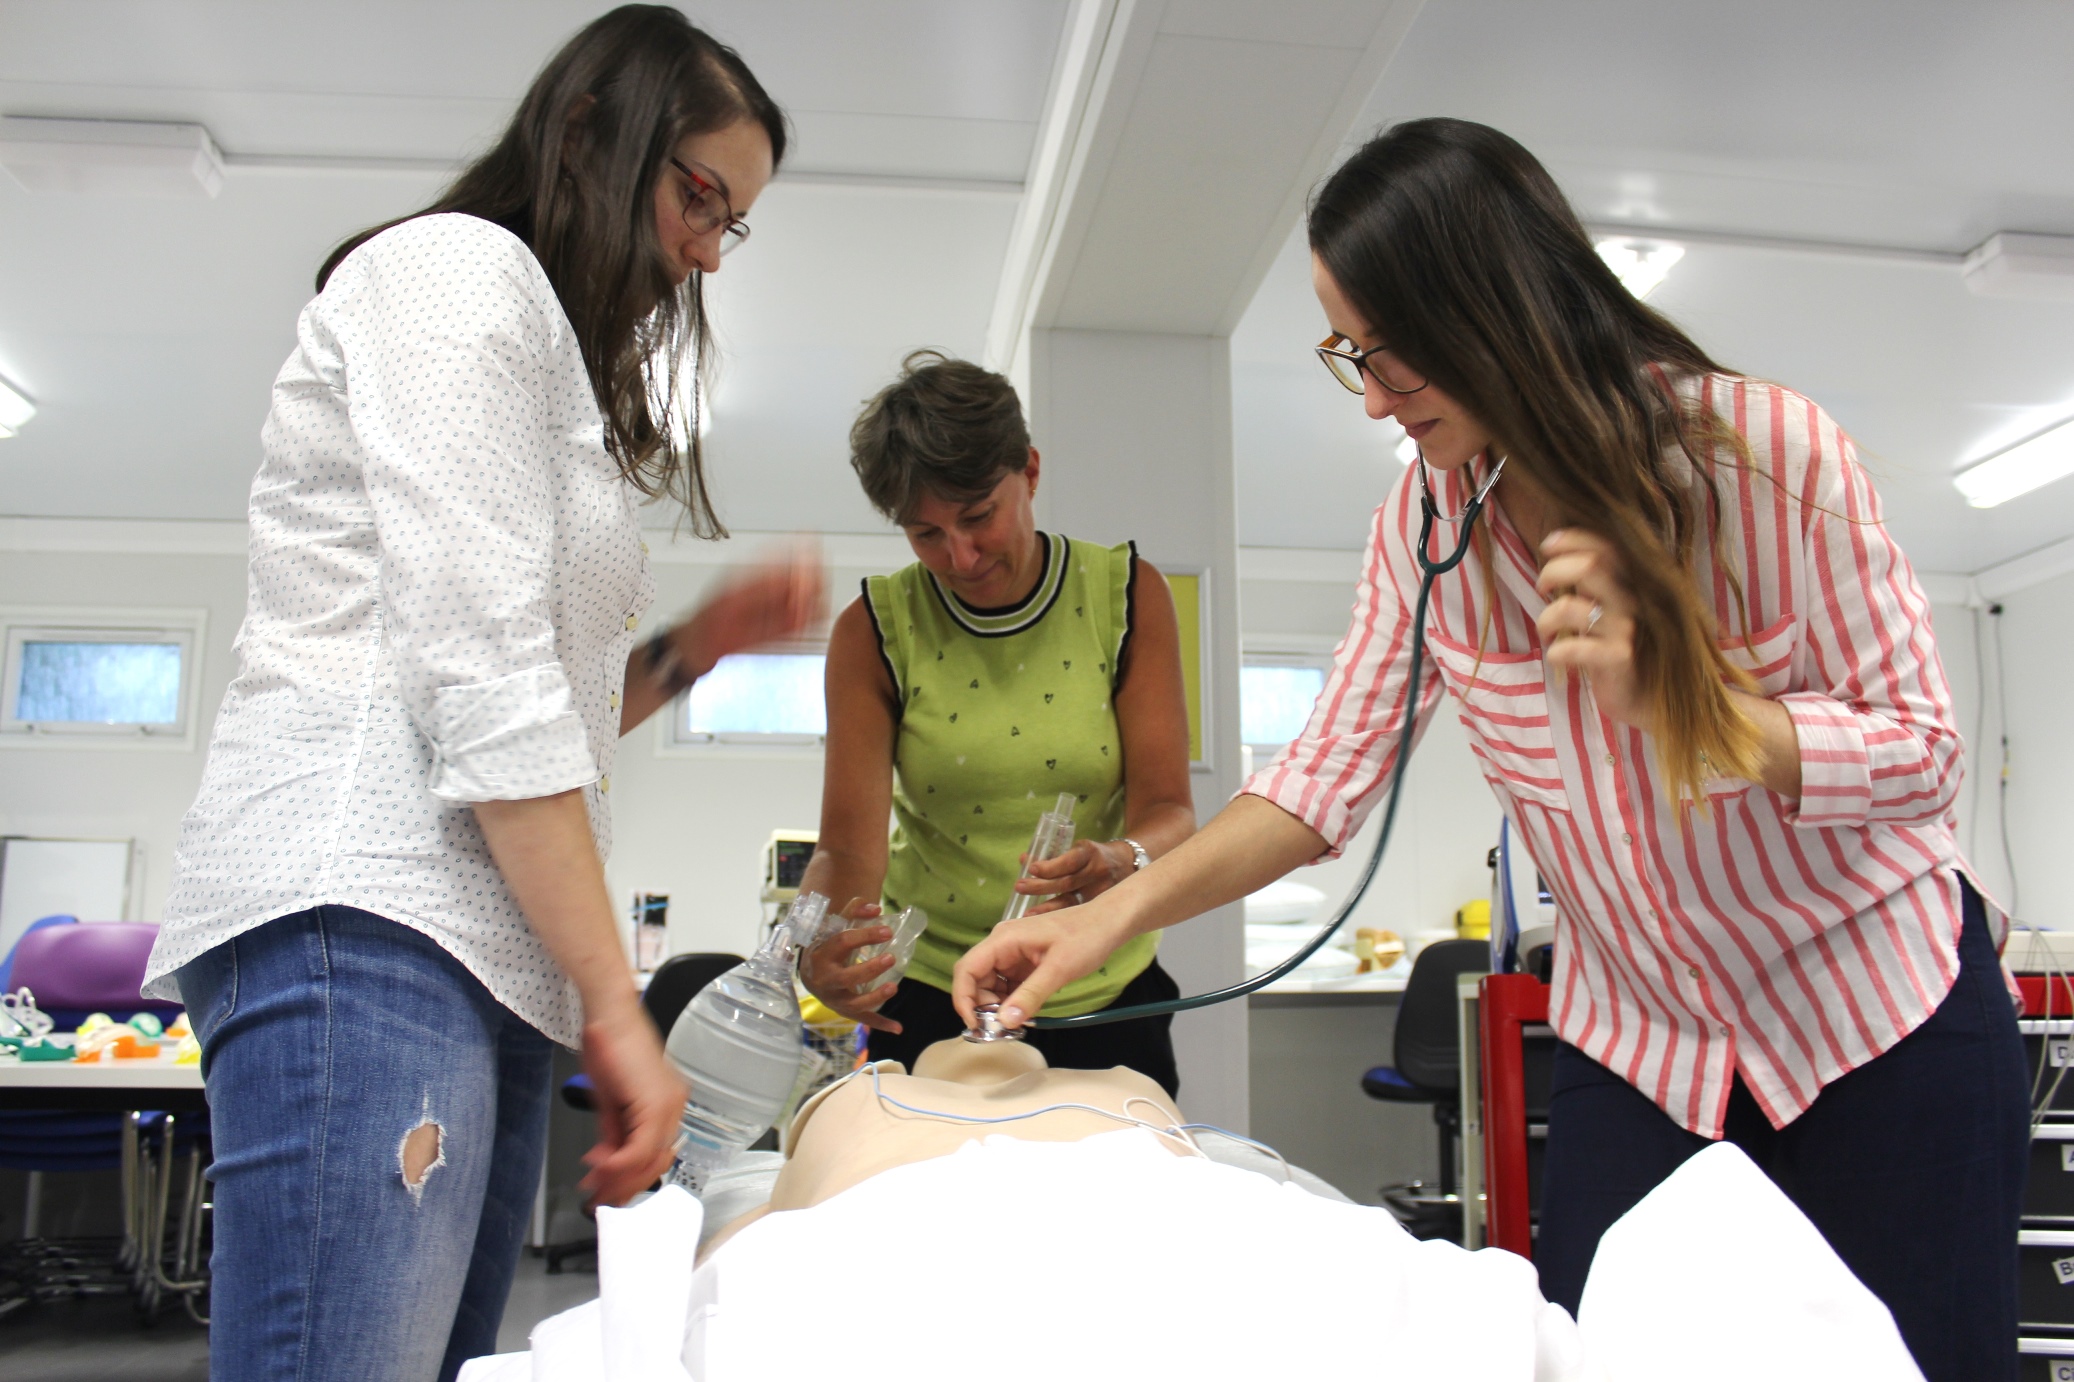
(2002, 786)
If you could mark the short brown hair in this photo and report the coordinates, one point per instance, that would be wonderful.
(945, 428)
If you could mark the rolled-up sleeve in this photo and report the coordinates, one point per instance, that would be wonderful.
(1877, 736)
(446, 382)
(1334, 773)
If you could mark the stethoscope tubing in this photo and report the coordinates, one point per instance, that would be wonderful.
(1429, 571)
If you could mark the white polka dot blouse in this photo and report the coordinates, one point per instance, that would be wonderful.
(446, 575)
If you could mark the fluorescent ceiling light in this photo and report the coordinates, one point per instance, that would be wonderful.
(126, 158)
(2020, 469)
(2036, 267)
(1640, 264)
(14, 410)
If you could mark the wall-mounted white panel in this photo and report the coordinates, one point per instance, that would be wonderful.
(88, 879)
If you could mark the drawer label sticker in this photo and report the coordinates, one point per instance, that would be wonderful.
(2063, 1370)
(2067, 1164)
(2064, 1270)
(2059, 1053)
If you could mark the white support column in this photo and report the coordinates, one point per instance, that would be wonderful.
(1179, 142)
(1141, 425)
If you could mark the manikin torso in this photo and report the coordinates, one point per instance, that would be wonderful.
(848, 1134)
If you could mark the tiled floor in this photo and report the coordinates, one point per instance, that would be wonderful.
(101, 1340)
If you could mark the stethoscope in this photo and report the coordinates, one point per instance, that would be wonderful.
(1430, 570)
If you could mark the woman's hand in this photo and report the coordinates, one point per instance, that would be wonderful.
(1588, 626)
(830, 975)
(762, 604)
(1022, 963)
(640, 1101)
(1083, 873)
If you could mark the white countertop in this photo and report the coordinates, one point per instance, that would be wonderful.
(109, 1074)
(1352, 983)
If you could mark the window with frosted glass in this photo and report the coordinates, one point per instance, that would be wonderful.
(97, 682)
(1275, 701)
(753, 696)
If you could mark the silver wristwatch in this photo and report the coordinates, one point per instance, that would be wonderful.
(1139, 858)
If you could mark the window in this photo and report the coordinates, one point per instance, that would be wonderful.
(1275, 699)
(754, 698)
(80, 677)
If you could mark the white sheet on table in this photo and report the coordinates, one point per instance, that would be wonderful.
(1717, 1275)
(1174, 1266)
(1182, 1264)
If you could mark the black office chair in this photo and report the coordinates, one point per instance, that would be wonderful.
(1428, 1052)
(670, 990)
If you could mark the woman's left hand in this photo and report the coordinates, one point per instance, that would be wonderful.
(1588, 626)
(770, 601)
(1084, 872)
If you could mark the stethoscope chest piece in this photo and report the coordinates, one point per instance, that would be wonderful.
(990, 1028)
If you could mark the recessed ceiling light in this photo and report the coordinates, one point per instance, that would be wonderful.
(1640, 264)
(2019, 469)
(127, 158)
(14, 409)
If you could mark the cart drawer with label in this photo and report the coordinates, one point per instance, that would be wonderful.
(2049, 1188)
(2051, 1044)
(2045, 1277)
(2045, 1359)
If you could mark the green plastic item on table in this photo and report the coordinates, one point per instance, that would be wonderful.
(149, 1025)
(46, 1049)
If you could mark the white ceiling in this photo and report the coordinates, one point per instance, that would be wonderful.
(149, 330)
(1913, 124)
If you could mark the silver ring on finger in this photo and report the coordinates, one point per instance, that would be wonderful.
(1078, 898)
(1591, 621)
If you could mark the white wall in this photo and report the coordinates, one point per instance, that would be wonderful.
(142, 792)
(2038, 666)
(694, 827)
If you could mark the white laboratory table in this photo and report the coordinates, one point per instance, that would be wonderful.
(108, 1086)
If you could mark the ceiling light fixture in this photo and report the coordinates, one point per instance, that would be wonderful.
(2019, 469)
(15, 409)
(1640, 264)
(127, 158)
(2009, 265)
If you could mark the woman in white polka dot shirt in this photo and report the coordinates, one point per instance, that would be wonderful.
(390, 900)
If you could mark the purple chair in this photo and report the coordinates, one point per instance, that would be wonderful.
(95, 966)
(73, 971)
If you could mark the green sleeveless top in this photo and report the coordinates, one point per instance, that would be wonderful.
(1000, 711)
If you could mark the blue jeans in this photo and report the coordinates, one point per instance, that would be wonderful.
(328, 1038)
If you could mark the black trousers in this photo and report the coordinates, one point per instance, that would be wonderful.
(1144, 1044)
(1912, 1166)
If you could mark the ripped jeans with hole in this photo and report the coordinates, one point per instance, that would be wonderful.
(379, 1124)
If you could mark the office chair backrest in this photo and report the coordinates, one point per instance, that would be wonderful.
(1428, 1044)
(677, 981)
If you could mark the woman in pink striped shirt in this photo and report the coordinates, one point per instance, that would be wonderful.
(1700, 676)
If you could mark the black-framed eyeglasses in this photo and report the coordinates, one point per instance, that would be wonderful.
(706, 206)
(1347, 361)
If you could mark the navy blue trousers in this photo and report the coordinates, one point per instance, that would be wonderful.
(1912, 1166)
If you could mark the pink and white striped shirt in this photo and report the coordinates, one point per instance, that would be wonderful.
(1790, 941)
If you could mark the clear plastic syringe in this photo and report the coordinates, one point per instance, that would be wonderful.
(1053, 837)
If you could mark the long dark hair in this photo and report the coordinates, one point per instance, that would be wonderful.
(574, 177)
(1453, 241)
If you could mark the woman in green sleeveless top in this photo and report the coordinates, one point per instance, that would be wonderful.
(966, 693)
